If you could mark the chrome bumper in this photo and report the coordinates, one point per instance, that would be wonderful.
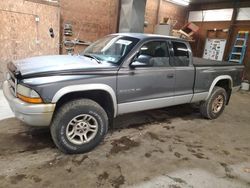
(31, 114)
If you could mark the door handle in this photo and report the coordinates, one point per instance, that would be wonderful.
(170, 75)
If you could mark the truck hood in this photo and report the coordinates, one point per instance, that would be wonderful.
(54, 63)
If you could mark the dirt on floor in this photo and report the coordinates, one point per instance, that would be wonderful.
(171, 147)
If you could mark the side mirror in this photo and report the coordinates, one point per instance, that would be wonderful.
(134, 61)
(137, 64)
(136, 56)
(139, 60)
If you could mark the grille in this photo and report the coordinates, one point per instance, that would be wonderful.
(12, 82)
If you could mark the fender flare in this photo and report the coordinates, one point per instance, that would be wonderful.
(216, 80)
(86, 87)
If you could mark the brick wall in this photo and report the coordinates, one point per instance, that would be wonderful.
(166, 9)
(90, 19)
(94, 19)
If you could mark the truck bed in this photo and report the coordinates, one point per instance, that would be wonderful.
(200, 62)
(208, 70)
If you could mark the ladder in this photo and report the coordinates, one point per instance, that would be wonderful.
(239, 48)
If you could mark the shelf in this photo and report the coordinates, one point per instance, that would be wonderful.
(236, 53)
(235, 60)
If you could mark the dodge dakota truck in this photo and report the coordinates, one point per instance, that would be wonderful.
(78, 96)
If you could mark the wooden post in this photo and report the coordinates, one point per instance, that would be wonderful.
(158, 12)
(230, 32)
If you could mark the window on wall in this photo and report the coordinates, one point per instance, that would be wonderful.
(154, 54)
(180, 55)
(210, 15)
(243, 14)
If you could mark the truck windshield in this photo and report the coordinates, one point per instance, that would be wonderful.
(111, 48)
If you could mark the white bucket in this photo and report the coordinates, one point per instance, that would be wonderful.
(245, 85)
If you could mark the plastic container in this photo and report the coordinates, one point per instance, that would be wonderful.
(245, 85)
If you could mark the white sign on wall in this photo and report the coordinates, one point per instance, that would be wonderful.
(214, 49)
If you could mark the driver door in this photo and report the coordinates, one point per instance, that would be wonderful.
(148, 82)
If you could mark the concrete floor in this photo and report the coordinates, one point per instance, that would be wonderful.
(172, 147)
(5, 111)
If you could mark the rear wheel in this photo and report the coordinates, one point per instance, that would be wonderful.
(79, 126)
(214, 106)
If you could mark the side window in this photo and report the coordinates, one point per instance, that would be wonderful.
(154, 54)
(181, 55)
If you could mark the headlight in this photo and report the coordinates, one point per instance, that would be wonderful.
(28, 95)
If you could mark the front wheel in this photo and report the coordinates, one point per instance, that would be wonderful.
(78, 126)
(214, 106)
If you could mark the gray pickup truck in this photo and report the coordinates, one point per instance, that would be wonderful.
(78, 96)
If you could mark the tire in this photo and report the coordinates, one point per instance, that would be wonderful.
(79, 126)
(209, 109)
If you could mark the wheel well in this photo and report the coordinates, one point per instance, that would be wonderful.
(103, 98)
(226, 84)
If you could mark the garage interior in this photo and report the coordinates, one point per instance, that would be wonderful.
(172, 147)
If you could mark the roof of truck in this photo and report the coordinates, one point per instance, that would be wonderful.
(145, 36)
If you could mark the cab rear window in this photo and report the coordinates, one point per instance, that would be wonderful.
(180, 55)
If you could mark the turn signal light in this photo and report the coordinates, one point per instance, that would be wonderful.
(30, 100)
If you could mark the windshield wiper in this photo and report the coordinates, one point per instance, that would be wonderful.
(93, 57)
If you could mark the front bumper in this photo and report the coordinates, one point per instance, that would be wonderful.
(31, 114)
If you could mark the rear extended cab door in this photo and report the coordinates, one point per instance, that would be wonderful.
(181, 60)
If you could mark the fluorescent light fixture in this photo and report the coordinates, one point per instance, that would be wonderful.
(180, 2)
(52, 1)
